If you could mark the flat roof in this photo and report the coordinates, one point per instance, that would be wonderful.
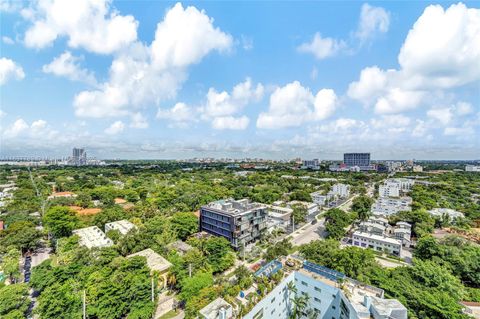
(377, 237)
(233, 207)
(92, 237)
(211, 310)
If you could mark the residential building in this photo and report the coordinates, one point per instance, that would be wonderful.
(217, 309)
(240, 221)
(395, 187)
(180, 246)
(388, 191)
(440, 212)
(62, 195)
(417, 168)
(373, 228)
(123, 226)
(340, 190)
(311, 208)
(377, 242)
(79, 156)
(311, 164)
(279, 217)
(320, 199)
(387, 206)
(472, 168)
(360, 160)
(331, 295)
(155, 262)
(92, 237)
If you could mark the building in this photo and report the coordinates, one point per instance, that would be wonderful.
(279, 217)
(155, 263)
(312, 208)
(440, 212)
(79, 156)
(123, 226)
(395, 187)
(417, 168)
(217, 309)
(92, 237)
(311, 164)
(319, 199)
(340, 190)
(356, 159)
(62, 195)
(239, 221)
(180, 246)
(471, 308)
(331, 295)
(377, 242)
(388, 191)
(387, 206)
(472, 168)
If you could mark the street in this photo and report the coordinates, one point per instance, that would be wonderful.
(309, 233)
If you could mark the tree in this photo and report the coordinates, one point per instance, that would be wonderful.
(22, 235)
(60, 221)
(11, 264)
(362, 206)
(191, 286)
(184, 224)
(336, 220)
(14, 300)
(281, 248)
(219, 253)
(61, 300)
(299, 213)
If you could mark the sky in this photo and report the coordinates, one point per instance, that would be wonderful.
(277, 80)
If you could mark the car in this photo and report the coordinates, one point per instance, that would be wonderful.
(314, 221)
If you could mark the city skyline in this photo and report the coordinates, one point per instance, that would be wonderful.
(268, 80)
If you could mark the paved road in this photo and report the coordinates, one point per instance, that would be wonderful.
(309, 233)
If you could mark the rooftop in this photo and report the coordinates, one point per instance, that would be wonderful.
(154, 261)
(123, 226)
(234, 207)
(92, 237)
(377, 237)
(211, 311)
(389, 308)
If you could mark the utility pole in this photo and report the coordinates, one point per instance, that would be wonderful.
(243, 251)
(190, 270)
(84, 305)
(153, 291)
(293, 223)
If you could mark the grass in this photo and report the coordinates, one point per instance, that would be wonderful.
(170, 314)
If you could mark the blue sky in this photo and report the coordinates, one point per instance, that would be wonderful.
(240, 79)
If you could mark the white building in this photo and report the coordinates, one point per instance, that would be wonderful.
(388, 191)
(394, 187)
(472, 168)
(376, 242)
(311, 208)
(440, 212)
(311, 164)
(92, 237)
(387, 206)
(331, 295)
(278, 217)
(319, 199)
(341, 190)
(217, 309)
(123, 226)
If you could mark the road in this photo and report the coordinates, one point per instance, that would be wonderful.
(309, 233)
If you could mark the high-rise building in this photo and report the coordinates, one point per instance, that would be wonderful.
(239, 221)
(356, 159)
(79, 156)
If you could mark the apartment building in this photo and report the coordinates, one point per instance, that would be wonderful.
(279, 217)
(472, 168)
(92, 237)
(311, 164)
(319, 199)
(377, 242)
(331, 295)
(240, 221)
(387, 206)
(123, 226)
(395, 187)
(340, 190)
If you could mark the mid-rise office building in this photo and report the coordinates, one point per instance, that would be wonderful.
(330, 295)
(311, 164)
(240, 221)
(356, 159)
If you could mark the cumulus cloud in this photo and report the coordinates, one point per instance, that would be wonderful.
(144, 75)
(66, 65)
(138, 121)
(115, 128)
(10, 70)
(180, 114)
(322, 47)
(373, 20)
(441, 52)
(20, 128)
(7, 40)
(292, 105)
(230, 122)
(92, 25)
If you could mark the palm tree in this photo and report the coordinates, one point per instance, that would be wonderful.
(300, 303)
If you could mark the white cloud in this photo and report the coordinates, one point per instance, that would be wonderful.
(7, 40)
(16, 128)
(247, 42)
(230, 122)
(322, 48)
(463, 108)
(185, 36)
(293, 104)
(20, 128)
(146, 75)
(138, 121)
(92, 25)
(441, 51)
(388, 121)
(67, 65)
(224, 103)
(10, 6)
(458, 131)
(373, 20)
(442, 115)
(115, 128)
(180, 114)
(10, 70)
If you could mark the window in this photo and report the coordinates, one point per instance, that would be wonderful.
(318, 289)
(259, 314)
(272, 311)
(317, 300)
(273, 299)
(304, 283)
(333, 307)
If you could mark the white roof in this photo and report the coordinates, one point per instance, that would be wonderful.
(448, 211)
(154, 261)
(377, 237)
(212, 309)
(92, 237)
(123, 226)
